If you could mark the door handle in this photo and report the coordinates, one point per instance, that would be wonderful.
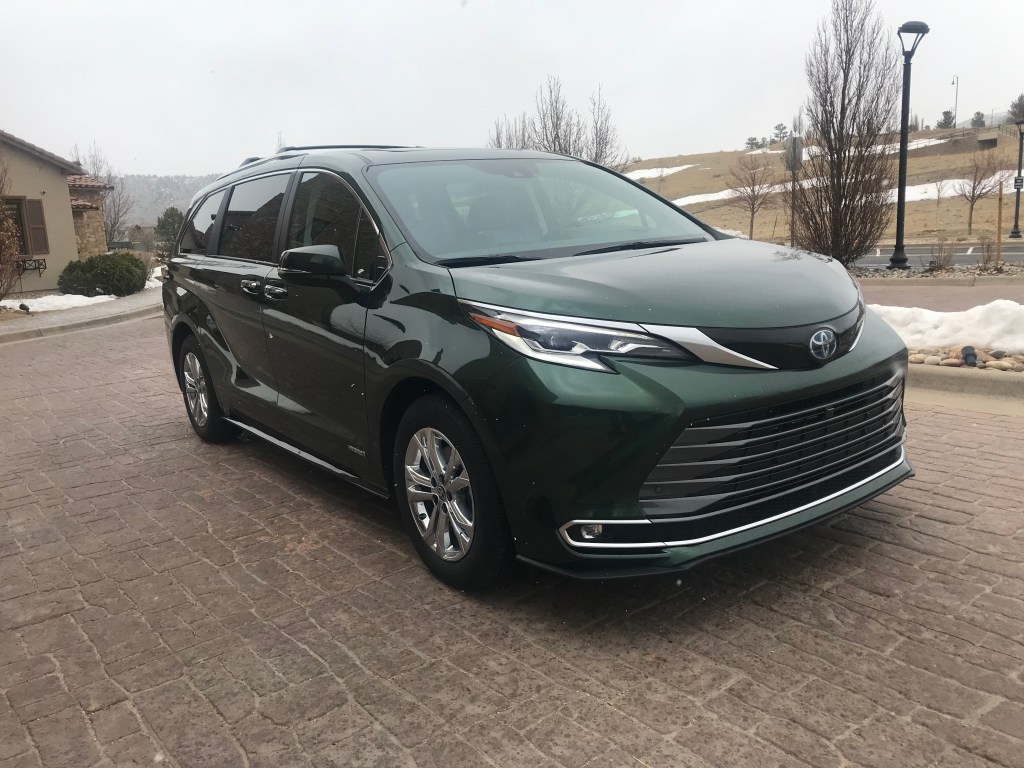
(274, 291)
(250, 286)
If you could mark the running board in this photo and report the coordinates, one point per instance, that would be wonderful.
(354, 479)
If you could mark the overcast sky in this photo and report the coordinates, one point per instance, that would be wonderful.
(194, 87)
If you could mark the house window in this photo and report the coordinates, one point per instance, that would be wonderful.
(31, 224)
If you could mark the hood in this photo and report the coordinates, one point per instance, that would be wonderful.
(730, 283)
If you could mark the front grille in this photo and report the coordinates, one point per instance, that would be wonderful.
(746, 466)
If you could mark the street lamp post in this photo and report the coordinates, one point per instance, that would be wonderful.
(956, 96)
(914, 30)
(1017, 182)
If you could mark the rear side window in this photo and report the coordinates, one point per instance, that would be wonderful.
(250, 222)
(196, 237)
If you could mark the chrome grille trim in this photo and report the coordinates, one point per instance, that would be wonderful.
(715, 467)
(657, 544)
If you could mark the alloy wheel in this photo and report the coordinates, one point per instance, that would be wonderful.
(195, 390)
(440, 494)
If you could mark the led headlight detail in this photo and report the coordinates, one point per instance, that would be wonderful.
(570, 341)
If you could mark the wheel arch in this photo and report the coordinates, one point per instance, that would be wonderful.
(417, 383)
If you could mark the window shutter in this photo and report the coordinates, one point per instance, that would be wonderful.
(37, 240)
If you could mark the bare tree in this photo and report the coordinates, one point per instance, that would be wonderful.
(10, 236)
(793, 160)
(556, 127)
(118, 202)
(983, 178)
(940, 190)
(843, 206)
(754, 181)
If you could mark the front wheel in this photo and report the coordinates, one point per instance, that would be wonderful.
(447, 496)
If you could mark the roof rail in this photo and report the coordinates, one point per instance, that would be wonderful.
(248, 160)
(343, 146)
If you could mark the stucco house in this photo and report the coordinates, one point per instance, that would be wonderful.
(56, 207)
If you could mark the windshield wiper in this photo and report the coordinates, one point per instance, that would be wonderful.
(638, 244)
(476, 261)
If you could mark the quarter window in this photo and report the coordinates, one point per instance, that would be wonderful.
(250, 223)
(196, 237)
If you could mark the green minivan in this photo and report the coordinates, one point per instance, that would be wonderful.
(539, 358)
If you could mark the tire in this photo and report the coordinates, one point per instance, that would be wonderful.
(197, 391)
(448, 500)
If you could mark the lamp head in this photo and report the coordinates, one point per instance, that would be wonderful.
(914, 31)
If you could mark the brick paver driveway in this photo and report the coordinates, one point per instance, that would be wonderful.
(167, 602)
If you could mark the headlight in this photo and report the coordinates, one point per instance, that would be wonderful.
(571, 341)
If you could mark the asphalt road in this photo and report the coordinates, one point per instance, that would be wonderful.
(168, 602)
(918, 256)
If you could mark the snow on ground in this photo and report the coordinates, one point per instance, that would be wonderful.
(653, 173)
(707, 197)
(998, 325)
(732, 232)
(55, 301)
(921, 192)
(916, 144)
(154, 281)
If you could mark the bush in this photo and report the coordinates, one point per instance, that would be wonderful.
(118, 273)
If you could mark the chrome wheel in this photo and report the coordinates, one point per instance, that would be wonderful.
(195, 389)
(440, 494)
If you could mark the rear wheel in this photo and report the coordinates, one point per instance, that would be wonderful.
(447, 496)
(201, 402)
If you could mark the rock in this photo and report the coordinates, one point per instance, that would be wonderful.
(932, 360)
(956, 353)
(983, 356)
(969, 356)
(1018, 358)
(1000, 365)
(918, 358)
(998, 354)
(952, 362)
(981, 364)
(1019, 367)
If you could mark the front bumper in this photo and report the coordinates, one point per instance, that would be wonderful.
(573, 447)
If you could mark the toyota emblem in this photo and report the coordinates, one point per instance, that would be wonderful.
(823, 345)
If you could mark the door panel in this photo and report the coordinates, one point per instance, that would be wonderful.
(230, 282)
(315, 327)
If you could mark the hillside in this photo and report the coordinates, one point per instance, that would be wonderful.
(699, 183)
(154, 194)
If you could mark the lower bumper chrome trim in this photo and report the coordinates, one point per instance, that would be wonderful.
(564, 530)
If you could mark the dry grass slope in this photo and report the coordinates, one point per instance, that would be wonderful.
(927, 221)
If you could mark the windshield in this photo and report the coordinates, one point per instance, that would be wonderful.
(473, 210)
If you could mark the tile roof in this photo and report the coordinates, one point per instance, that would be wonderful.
(67, 166)
(86, 182)
(82, 205)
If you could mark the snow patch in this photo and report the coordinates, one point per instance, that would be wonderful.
(732, 233)
(998, 325)
(653, 173)
(707, 197)
(55, 301)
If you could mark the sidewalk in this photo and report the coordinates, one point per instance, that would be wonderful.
(142, 304)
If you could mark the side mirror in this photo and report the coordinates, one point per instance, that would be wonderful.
(324, 260)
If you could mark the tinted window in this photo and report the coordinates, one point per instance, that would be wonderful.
(371, 260)
(196, 237)
(250, 222)
(325, 213)
(543, 208)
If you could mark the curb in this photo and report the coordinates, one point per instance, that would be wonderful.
(966, 380)
(92, 322)
(928, 282)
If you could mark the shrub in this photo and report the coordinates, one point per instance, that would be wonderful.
(118, 273)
